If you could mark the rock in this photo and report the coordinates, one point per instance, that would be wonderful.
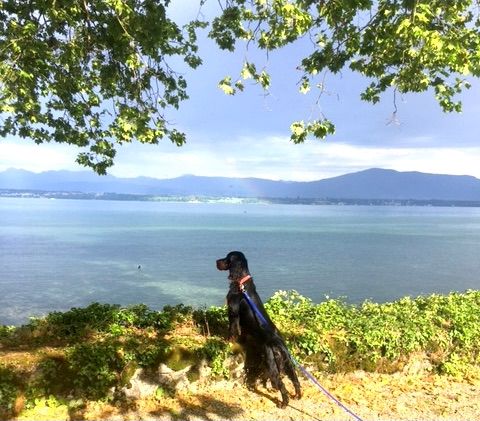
(235, 365)
(418, 364)
(140, 386)
(204, 370)
(199, 371)
(173, 380)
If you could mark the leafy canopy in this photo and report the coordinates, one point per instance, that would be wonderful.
(99, 73)
(407, 45)
(92, 73)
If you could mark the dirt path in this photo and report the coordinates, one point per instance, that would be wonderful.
(370, 396)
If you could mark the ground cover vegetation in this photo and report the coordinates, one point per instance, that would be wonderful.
(97, 74)
(89, 354)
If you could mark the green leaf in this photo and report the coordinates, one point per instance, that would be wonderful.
(226, 86)
(248, 71)
(93, 75)
(304, 86)
(239, 85)
(299, 132)
(403, 46)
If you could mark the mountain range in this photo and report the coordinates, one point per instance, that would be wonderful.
(373, 183)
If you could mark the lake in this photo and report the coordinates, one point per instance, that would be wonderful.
(58, 254)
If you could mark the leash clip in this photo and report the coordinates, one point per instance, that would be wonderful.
(241, 282)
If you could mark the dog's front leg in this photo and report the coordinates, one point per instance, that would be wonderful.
(234, 329)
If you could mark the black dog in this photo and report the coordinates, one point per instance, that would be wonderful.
(266, 356)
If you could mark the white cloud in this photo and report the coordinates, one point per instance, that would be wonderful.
(37, 158)
(276, 157)
(272, 157)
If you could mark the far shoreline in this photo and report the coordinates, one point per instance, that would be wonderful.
(234, 200)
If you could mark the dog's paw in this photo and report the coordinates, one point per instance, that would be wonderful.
(251, 386)
(297, 395)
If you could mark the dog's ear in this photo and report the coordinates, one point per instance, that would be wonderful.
(238, 264)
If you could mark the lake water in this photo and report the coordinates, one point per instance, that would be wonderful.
(58, 254)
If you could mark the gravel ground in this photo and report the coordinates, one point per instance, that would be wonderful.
(371, 396)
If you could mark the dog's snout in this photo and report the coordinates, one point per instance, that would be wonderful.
(222, 264)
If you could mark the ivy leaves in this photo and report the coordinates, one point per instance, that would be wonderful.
(405, 46)
(92, 73)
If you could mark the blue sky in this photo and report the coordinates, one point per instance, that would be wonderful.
(248, 135)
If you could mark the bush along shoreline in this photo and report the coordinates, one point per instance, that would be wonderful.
(106, 352)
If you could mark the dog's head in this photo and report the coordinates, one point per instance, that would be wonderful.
(236, 263)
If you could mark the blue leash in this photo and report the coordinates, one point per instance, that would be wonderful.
(264, 322)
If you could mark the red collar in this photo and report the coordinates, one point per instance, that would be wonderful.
(243, 280)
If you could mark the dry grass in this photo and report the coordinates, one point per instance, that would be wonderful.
(371, 396)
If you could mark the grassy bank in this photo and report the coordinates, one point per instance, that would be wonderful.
(88, 354)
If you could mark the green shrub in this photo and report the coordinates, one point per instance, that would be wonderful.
(216, 352)
(373, 336)
(104, 318)
(178, 313)
(100, 346)
(6, 331)
(9, 389)
(213, 321)
(76, 321)
(96, 367)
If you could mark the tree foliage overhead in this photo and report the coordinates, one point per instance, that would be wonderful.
(99, 73)
(406, 45)
(92, 73)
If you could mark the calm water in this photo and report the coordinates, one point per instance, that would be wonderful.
(57, 254)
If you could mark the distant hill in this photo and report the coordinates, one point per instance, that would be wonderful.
(369, 184)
